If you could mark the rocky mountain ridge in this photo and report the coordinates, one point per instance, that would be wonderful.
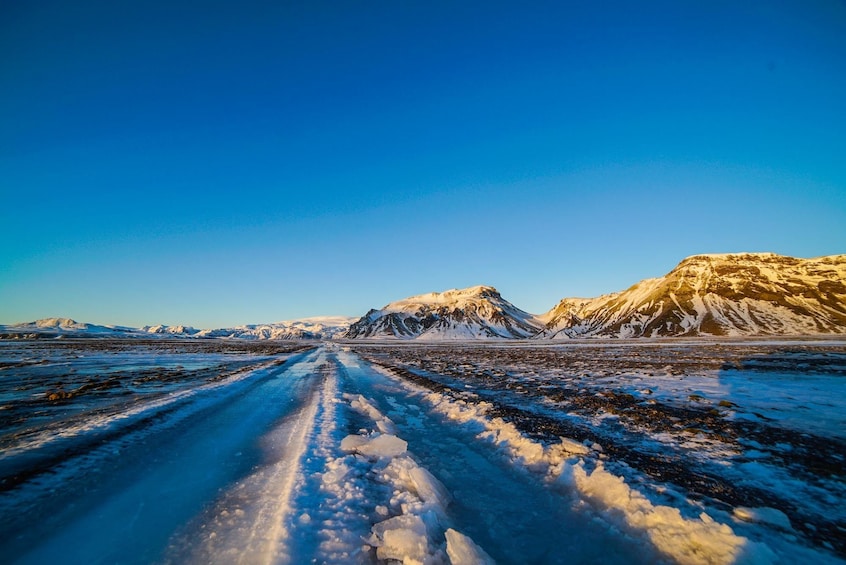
(716, 295)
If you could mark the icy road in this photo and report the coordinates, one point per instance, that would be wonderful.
(328, 458)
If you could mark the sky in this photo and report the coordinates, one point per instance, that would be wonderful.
(222, 163)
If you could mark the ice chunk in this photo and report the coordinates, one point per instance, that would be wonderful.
(363, 406)
(462, 550)
(351, 443)
(428, 488)
(764, 515)
(402, 538)
(385, 445)
(572, 446)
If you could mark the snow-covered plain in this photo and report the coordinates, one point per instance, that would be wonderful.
(213, 452)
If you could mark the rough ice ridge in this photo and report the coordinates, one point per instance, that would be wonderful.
(687, 541)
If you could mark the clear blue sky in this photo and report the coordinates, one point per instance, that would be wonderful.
(218, 163)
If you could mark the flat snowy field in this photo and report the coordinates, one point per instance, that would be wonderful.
(600, 452)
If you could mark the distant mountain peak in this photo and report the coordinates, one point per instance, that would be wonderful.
(452, 295)
(477, 312)
(56, 323)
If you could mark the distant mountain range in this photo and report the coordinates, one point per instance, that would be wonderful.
(745, 294)
(322, 327)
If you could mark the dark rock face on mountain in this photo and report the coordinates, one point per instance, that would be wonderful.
(721, 295)
(473, 313)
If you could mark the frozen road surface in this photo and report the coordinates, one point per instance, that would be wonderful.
(333, 457)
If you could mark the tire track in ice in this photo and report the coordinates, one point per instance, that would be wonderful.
(334, 502)
(362, 498)
(308, 502)
(158, 485)
(248, 524)
(305, 507)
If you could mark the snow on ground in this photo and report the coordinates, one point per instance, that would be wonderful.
(616, 395)
(364, 495)
(509, 515)
(331, 458)
(684, 540)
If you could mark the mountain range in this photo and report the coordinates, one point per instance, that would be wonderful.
(735, 295)
(321, 327)
(746, 294)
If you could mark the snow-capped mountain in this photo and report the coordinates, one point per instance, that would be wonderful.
(62, 326)
(724, 295)
(472, 313)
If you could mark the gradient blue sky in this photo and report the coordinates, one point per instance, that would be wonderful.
(219, 163)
